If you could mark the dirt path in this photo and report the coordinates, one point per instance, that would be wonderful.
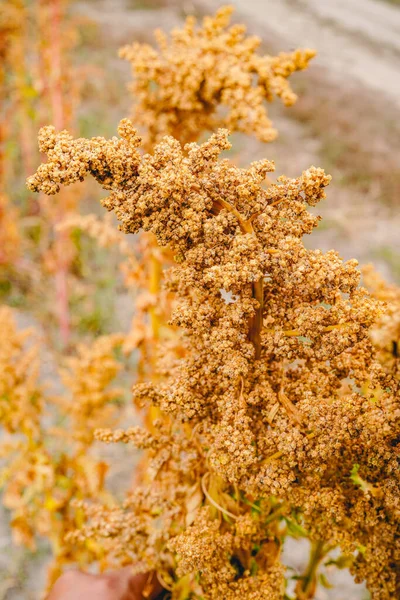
(355, 38)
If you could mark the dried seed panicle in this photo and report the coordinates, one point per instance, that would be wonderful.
(207, 77)
(278, 390)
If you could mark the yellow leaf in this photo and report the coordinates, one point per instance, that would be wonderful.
(193, 501)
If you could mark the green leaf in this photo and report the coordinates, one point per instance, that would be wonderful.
(342, 562)
(295, 529)
(324, 581)
(253, 567)
(362, 549)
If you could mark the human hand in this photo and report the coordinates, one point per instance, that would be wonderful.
(116, 585)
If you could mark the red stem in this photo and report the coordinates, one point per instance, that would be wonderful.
(56, 98)
(55, 63)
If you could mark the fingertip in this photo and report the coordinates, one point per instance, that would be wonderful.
(145, 586)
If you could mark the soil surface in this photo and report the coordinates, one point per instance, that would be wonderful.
(359, 39)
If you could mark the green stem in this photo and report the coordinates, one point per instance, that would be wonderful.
(307, 585)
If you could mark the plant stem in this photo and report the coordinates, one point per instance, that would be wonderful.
(307, 585)
(256, 322)
(56, 98)
(154, 288)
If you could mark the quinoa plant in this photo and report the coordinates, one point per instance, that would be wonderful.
(275, 412)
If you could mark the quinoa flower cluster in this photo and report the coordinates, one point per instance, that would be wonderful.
(279, 413)
(202, 78)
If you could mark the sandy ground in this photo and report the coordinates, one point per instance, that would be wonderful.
(355, 38)
(355, 76)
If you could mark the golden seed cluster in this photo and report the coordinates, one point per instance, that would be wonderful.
(207, 77)
(280, 413)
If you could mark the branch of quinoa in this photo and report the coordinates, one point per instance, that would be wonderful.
(245, 225)
(256, 322)
(154, 286)
(307, 585)
(155, 274)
